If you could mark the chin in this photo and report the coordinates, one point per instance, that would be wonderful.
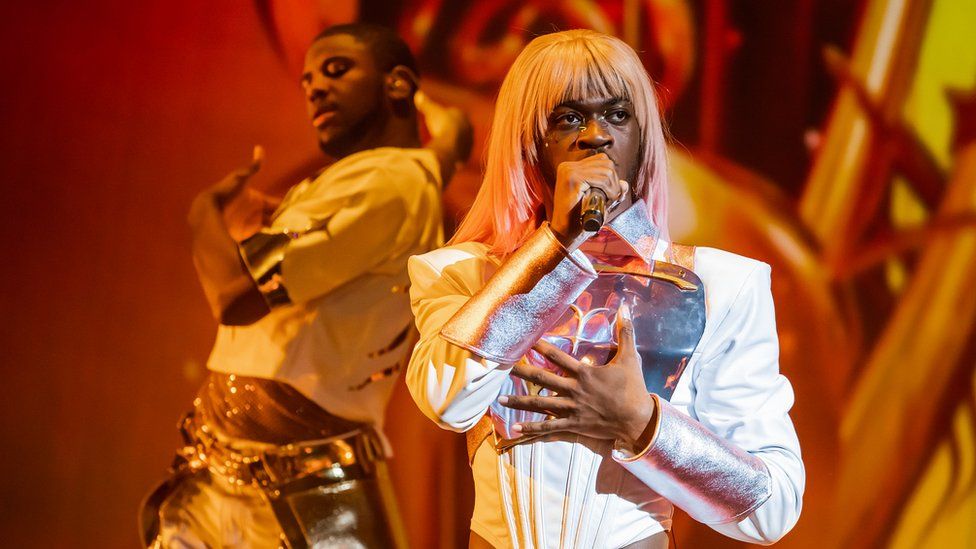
(328, 140)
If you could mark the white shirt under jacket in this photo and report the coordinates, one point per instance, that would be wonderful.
(341, 338)
(572, 493)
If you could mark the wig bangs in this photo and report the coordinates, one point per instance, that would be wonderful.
(571, 70)
(554, 69)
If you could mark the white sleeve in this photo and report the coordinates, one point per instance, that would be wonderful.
(742, 397)
(470, 333)
(452, 386)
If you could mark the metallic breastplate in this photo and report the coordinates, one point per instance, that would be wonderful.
(667, 303)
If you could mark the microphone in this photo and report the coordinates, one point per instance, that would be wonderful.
(593, 208)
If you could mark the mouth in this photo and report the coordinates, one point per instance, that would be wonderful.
(324, 115)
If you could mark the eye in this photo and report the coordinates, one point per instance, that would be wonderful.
(618, 116)
(336, 67)
(569, 119)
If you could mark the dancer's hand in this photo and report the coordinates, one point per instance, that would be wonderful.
(243, 209)
(231, 186)
(607, 401)
(451, 133)
(573, 179)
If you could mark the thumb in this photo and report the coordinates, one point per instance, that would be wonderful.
(232, 185)
(241, 175)
(423, 102)
(256, 160)
(626, 342)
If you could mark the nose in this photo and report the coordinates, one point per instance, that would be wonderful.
(594, 135)
(316, 87)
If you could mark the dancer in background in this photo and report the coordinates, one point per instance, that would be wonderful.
(284, 444)
(596, 388)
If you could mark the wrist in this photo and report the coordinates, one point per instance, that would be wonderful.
(566, 238)
(204, 203)
(643, 427)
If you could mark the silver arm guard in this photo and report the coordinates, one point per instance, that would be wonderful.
(712, 480)
(527, 293)
(262, 254)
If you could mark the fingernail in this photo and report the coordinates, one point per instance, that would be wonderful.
(503, 399)
(517, 428)
(625, 310)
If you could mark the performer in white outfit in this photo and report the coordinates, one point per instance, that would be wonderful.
(603, 377)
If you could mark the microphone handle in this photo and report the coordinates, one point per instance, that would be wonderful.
(592, 209)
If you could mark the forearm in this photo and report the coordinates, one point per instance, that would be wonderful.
(468, 342)
(710, 478)
(752, 497)
(451, 134)
(733, 460)
(773, 519)
(451, 386)
(526, 295)
(230, 291)
(452, 145)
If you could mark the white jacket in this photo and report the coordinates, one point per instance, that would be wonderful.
(581, 492)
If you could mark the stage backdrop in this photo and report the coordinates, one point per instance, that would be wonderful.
(815, 135)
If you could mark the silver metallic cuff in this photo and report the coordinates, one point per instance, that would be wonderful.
(527, 293)
(262, 255)
(710, 479)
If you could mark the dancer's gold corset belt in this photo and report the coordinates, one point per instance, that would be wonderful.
(345, 456)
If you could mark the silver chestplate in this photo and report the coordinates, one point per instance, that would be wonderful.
(667, 303)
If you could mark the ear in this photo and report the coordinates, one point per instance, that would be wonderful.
(401, 83)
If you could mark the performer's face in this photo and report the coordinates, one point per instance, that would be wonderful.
(581, 128)
(343, 93)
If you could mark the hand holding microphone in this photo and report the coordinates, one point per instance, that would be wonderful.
(590, 184)
(593, 209)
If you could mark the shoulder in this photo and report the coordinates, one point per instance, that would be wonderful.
(719, 267)
(391, 164)
(734, 284)
(384, 172)
(445, 256)
(464, 266)
(740, 318)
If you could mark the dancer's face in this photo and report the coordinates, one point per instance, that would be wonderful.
(344, 93)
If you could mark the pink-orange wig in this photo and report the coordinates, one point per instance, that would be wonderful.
(552, 69)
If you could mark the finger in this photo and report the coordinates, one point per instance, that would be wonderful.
(626, 342)
(556, 356)
(624, 188)
(604, 178)
(555, 405)
(544, 427)
(420, 100)
(257, 159)
(241, 175)
(543, 378)
(433, 111)
(597, 158)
